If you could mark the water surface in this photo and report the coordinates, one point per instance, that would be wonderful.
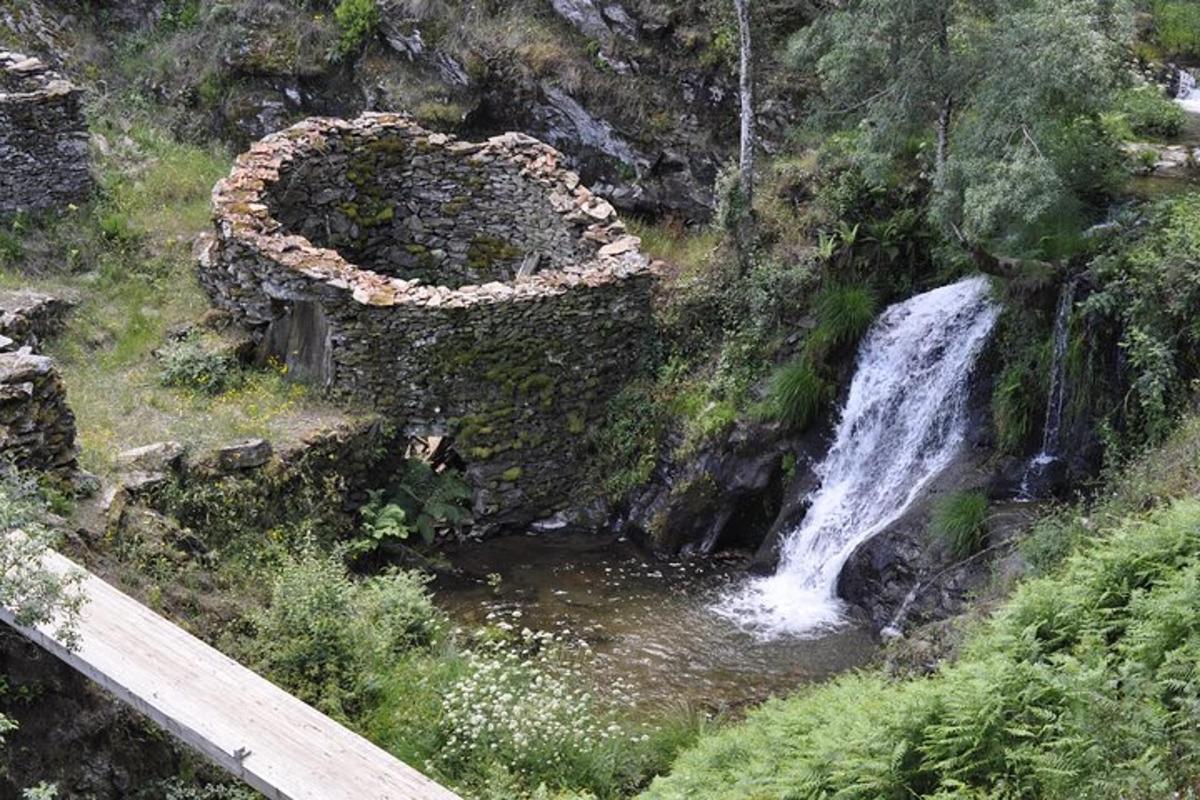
(648, 622)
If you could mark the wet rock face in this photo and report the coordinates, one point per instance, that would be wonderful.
(724, 496)
(476, 290)
(43, 138)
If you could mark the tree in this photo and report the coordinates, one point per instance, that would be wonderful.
(746, 91)
(30, 593)
(1010, 92)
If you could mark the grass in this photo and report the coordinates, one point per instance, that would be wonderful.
(1015, 407)
(796, 395)
(688, 252)
(844, 313)
(960, 520)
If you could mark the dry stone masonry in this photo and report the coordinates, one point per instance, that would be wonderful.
(475, 290)
(37, 428)
(43, 138)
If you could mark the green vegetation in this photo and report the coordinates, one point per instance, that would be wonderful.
(1016, 407)
(1082, 685)
(1008, 93)
(420, 500)
(358, 20)
(188, 364)
(1149, 294)
(1177, 26)
(1146, 113)
(32, 594)
(960, 520)
(796, 395)
(322, 633)
(844, 313)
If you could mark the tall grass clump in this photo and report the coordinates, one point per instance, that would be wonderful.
(1015, 408)
(960, 520)
(1084, 685)
(796, 395)
(844, 313)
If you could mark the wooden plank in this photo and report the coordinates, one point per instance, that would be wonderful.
(246, 725)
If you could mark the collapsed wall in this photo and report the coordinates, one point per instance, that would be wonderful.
(43, 138)
(471, 290)
(37, 428)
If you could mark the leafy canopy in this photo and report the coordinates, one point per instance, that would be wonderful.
(1016, 86)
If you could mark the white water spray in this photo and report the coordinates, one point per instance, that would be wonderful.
(904, 421)
(1188, 95)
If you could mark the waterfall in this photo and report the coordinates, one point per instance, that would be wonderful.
(904, 421)
(1187, 95)
(1052, 430)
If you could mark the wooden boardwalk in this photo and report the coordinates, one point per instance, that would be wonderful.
(257, 732)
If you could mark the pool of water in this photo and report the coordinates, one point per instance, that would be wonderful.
(647, 622)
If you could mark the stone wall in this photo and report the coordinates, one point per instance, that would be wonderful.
(516, 369)
(29, 318)
(43, 138)
(37, 428)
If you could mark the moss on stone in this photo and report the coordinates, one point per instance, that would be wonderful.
(485, 252)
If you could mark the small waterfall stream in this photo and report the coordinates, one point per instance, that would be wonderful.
(904, 421)
(1052, 430)
(1188, 94)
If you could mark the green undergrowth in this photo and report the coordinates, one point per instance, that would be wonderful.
(1083, 685)
(496, 713)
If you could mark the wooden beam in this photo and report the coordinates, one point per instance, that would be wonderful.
(244, 724)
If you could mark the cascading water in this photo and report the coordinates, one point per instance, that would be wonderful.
(904, 421)
(1052, 430)
(1188, 95)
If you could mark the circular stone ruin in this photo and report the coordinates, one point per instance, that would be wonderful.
(43, 138)
(475, 290)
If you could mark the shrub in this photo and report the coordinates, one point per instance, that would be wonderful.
(1149, 114)
(324, 635)
(358, 20)
(1177, 26)
(188, 364)
(32, 594)
(960, 520)
(1147, 293)
(796, 395)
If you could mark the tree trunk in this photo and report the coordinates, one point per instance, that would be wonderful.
(943, 133)
(946, 112)
(747, 96)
